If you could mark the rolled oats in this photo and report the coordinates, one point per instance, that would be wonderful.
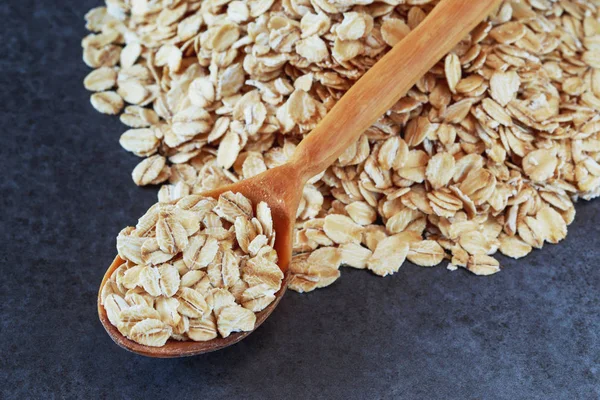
(487, 152)
(184, 283)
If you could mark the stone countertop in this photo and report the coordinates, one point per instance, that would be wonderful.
(531, 331)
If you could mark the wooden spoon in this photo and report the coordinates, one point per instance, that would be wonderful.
(368, 99)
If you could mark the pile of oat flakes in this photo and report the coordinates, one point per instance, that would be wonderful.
(192, 269)
(486, 152)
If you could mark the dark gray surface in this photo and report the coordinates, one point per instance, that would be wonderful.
(529, 332)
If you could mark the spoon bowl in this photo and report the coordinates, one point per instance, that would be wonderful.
(174, 348)
(367, 100)
(275, 187)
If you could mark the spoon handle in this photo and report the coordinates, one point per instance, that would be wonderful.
(387, 81)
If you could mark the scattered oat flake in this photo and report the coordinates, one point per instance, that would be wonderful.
(107, 102)
(388, 256)
(342, 229)
(426, 253)
(453, 71)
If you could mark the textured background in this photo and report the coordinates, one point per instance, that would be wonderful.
(531, 331)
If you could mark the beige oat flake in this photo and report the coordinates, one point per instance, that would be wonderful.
(107, 102)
